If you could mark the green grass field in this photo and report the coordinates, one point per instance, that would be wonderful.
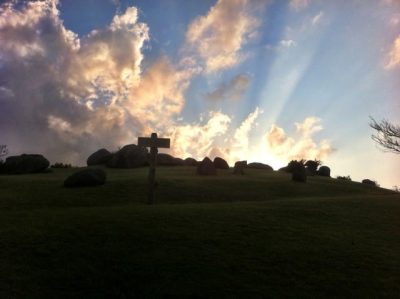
(254, 236)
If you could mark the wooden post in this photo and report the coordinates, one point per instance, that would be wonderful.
(152, 170)
(153, 143)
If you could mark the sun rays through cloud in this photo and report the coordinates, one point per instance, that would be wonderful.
(264, 81)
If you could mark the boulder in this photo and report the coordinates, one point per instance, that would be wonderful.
(324, 171)
(256, 165)
(239, 167)
(190, 162)
(130, 156)
(25, 164)
(206, 167)
(168, 160)
(102, 156)
(85, 178)
(220, 163)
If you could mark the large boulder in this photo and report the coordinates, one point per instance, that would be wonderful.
(324, 171)
(85, 178)
(25, 164)
(102, 156)
(206, 167)
(190, 162)
(168, 160)
(239, 167)
(220, 163)
(256, 165)
(130, 156)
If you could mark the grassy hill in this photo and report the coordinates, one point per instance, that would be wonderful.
(254, 236)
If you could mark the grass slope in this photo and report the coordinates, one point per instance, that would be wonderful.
(253, 236)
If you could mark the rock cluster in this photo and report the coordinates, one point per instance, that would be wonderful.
(25, 164)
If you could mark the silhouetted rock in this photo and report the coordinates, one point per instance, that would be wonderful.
(239, 167)
(369, 182)
(190, 162)
(206, 167)
(168, 160)
(130, 156)
(86, 177)
(256, 165)
(220, 163)
(299, 173)
(283, 169)
(102, 156)
(324, 171)
(25, 164)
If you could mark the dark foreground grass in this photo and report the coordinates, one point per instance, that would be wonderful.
(256, 236)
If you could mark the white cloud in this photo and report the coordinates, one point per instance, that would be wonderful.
(317, 18)
(219, 36)
(393, 57)
(287, 43)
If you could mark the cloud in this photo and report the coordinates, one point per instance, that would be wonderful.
(219, 36)
(299, 4)
(233, 90)
(196, 140)
(393, 57)
(305, 147)
(317, 18)
(309, 126)
(394, 20)
(66, 89)
(287, 43)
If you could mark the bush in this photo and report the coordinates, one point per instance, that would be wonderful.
(60, 165)
(370, 182)
(344, 178)
(293, 165)
(298, 171)
(312, 166)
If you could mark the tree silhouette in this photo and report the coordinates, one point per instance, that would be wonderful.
(3, 151)
(387, 135)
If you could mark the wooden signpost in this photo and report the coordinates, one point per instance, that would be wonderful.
(153, 143)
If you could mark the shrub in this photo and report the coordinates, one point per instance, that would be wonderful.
(293, 165)
(60, 165)
(370, 182)
(344, 178)
(312, 166)
(298, 171)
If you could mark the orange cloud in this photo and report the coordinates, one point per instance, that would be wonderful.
(288, 148)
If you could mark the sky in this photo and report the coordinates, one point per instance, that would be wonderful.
(256, 80)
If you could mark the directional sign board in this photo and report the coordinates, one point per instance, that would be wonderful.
(154, 142)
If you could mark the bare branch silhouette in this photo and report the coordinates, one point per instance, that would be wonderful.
(387, 135)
